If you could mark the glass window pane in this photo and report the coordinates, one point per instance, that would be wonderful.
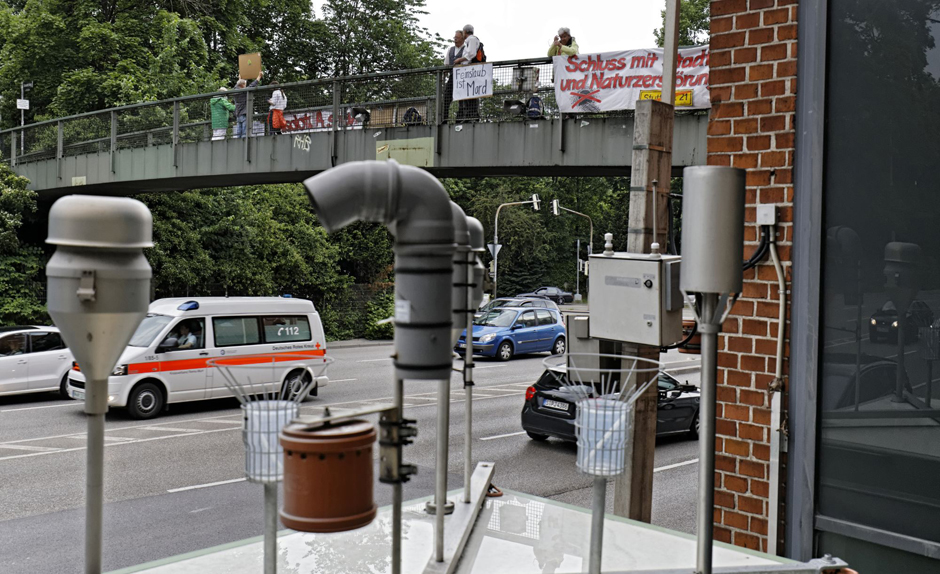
(231, 331)
(879, 454)
(545, 318)
(284, 329)
(13, 345)
(41, 342)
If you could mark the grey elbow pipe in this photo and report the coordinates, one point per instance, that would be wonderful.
(418, 212)
(477, 246)
(461, 273)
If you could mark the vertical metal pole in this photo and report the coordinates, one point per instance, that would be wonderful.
(13, 148)
(114, 128)
(399, 399)
(96, 405)
(175, 134)
(670, 52)
(270, 528)
(440, 486)
(22, 121)
(706, 441)
(468, 387)
(577, 270)
(496, 250)
(336, 99)
(598, 506)
(59, 149)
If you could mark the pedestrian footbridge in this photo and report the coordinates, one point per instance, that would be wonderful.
(170, 145)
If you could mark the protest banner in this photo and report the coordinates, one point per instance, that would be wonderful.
(617, 80)
(316, 121)
(472, 82)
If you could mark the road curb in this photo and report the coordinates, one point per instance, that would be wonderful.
(352, 343)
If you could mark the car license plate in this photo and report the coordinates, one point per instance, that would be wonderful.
(78, 395)
(558, 405)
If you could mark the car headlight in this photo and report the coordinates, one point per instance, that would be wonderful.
(895, 324)
(119, 371)
(874, 321)
(487, 338)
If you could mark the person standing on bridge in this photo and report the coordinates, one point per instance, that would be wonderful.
(220, 108)
(455, 51)
(469, 110)
(241, 105)
(277, 103)
(564, 44)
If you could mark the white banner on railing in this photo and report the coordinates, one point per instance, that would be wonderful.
(616, 80)
(318, 121)
(472, 82)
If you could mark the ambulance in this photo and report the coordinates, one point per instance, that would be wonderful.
(167, 359)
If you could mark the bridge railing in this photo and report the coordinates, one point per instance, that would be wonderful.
(384, 99)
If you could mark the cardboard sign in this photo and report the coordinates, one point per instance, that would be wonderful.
(249, 66)
(472, 82)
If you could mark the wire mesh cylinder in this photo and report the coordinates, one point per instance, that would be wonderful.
(264, 456)
(602, 427)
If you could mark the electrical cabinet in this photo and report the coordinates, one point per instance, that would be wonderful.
(635, 298)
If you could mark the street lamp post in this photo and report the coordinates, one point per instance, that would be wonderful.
(556, 209)
(536, 202)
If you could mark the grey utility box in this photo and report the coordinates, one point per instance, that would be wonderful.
(635, 298)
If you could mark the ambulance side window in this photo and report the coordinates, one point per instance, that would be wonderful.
(231, 331)
(285, 328)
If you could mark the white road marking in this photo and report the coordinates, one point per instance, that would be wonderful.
(30, 448)
(42, 407)
(207, 485)
(490, 367)
(342, 380)
(677, 465)
(172, 429)
(503, 435)
(374, 360)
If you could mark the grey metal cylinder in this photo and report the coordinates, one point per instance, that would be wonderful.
(417, 210)
(477, 246)
(460, 280)
(712, 229)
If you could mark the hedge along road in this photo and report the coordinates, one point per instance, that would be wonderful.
(196, 452)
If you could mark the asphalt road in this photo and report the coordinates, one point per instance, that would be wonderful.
(175, 484)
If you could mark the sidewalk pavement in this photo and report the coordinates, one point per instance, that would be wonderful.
(358, 343)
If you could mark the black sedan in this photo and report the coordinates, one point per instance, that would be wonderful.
(884, 322)
(554, 293)
(550, 408)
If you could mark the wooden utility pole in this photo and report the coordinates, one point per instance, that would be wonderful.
(652, 162)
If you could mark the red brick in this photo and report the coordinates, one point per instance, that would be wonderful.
(761, 416)
(720, 58)
(722, 534)
(725, 145)
(737, 412)
(750, 432)
(785, 104)
(783, 141)
(761, 452)
(758, 143)
(758, 526)
(743, 308)
(753, 364)
(730, 325)
(726, 394)
(720, 25)
(745, 91)
(767, 347)
(726, 428)
(723, 7)
(759, 36)
(773, 195)
(760, 72)
(772, 123)
(760, 488)
(728, 40)
(784, 175)
(766, 309)
(788, 32)
(744, 161)
(753, 469)
(757, 177)
(727, 464)
(738, 378)
(773, 53)
(740, 344)
(737, 447)
(746, 540)
(724, 499)
(729, 110)
(760, 4)
(754, 327)
(746, 126)
(713, 159)
(759, 107)
(777, 16)
(722, 76)
(748, 20)
(735, 483)
(745, 55)
(728, 360)
(735, 520)
(719, 127)
(751, 505)
(753, 398)
(773, 88)
(772, 158)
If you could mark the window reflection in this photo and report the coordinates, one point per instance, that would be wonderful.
(879, 457)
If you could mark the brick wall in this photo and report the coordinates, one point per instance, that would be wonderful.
(753, 87)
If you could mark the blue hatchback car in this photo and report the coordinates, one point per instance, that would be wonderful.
(507, 331)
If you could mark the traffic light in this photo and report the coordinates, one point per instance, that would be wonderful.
(536, 202)
(555, 209)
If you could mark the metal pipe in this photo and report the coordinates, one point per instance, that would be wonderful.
(399, 394)
(598, 506)
(776, 394)
(706, 441)
(440, 483)
(468, 389)
(94, 484)
(270, 528)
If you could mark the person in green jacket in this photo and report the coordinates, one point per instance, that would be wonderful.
(564, 44)
(220, 107)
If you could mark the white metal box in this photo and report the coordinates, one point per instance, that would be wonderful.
(635, 298)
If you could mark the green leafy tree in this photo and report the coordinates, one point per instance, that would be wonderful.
(694, 16)
(21, 264)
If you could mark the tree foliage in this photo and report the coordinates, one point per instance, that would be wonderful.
(694, 18)
(21, 265)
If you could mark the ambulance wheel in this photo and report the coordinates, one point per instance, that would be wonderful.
(294, 383)
(145, 402)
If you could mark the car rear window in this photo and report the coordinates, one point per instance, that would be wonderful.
(545, 318)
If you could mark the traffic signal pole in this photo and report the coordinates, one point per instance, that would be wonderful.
(536, 202)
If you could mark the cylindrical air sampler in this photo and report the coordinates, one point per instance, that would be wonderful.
(98, 292)
(712, 269)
